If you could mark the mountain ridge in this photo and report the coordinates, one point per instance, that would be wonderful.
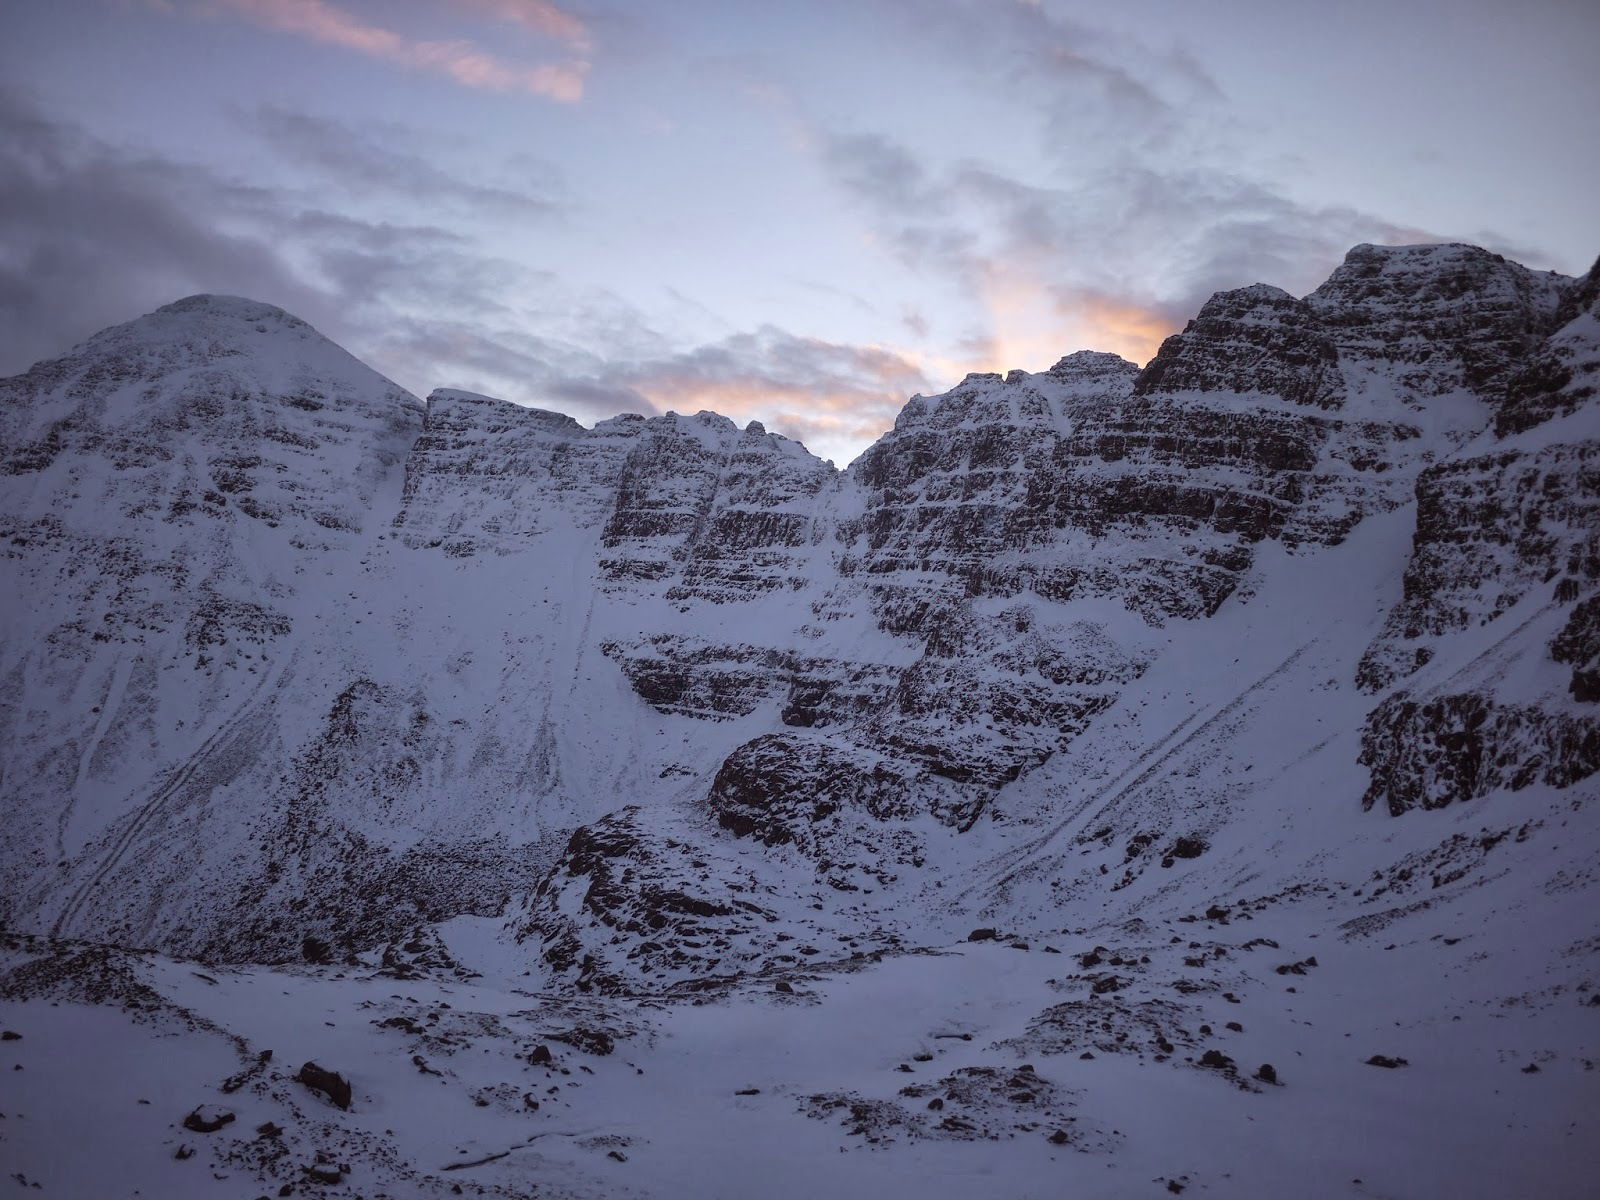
(906, 637)
(658, 808)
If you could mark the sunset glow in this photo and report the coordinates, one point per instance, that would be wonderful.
(798, 214)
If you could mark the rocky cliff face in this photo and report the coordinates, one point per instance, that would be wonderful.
(1438, 319)
(686, 698)
(1505, 560)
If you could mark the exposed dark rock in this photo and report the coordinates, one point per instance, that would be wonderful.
(1454, 748)
(330, 1083)
(589, 1040)
(1578, 644)
(208, 1119)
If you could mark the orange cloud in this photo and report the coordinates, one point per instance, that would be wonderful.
(1034, 323)
(1121, 326)
(539, 16)
(831, 396)
(319, 21)
(833, 424)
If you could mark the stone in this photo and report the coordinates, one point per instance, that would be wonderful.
(329, 1083)
(208, 1119)
(1384, 1060)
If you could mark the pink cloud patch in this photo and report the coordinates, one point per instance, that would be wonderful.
(462, 61)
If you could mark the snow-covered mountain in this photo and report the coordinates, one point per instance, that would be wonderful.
(298, 669)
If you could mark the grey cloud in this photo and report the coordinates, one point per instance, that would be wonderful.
(368, 162)
(885, 172)
(1087, 86)
(1150, 240)
(94, 236)
(827, 394)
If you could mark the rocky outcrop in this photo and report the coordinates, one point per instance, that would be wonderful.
(719, 511)
(1492, 529)
(1437, 319)
(486, 475)
(626, 907)
(1578, 644)
(1454, 748)
(1505, 538)
(798, 789)
(1257, 339)
(1564, 373)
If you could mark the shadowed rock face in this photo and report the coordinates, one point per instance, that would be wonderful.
(470, 631)
(1254, 339)
(1445, 317)
(1450, 749)
(1563, 373)
(1492, 530)
(1507, 539)
(718, 511)
(624, 902)
(1578, 643)
(1267, 419)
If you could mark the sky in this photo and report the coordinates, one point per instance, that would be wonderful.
(797, 212)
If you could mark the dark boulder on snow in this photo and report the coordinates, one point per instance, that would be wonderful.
(330, 1083)
(208, 1119)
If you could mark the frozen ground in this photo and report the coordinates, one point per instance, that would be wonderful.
(796, 1085)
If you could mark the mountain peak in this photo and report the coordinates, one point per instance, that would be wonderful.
(240, 307)
(1087, 364)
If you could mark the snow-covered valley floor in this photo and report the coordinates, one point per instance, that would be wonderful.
(1017, 1066)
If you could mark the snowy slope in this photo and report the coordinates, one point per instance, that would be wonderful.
(1269, 669)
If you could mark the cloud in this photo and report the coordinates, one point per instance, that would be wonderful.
(94, 237)
(1115, 260)
(539, 16)
(832, 396)
(363, 163)
(883, 172)
(97, 236)
(462, 61)
(1087, 87)
(1144, 197)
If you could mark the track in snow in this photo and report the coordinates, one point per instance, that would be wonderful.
(1030, 852)
(158, 801)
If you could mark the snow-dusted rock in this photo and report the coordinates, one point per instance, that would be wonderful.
(304, 663)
